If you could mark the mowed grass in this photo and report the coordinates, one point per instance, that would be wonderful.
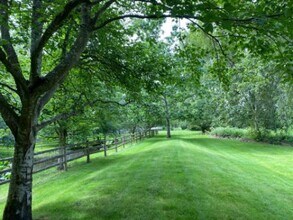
(8, 151)
(190, 176)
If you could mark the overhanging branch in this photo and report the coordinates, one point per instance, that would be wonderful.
(8, 115)
(10, 60)
(8, 87)
(54, 119)
(154, 16)
(215, 39)
(56, 24)
(102, 10)
(59, 73)
(75, 112)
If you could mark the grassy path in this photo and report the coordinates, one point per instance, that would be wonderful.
(188, 177)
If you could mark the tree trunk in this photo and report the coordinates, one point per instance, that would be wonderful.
(255, 115)
(62, 135)
(19, 201)
(167, 115)
(168, 127)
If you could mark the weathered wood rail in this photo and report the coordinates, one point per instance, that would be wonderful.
(60, 156)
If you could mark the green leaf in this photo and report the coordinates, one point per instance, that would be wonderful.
(229, 7)
(208, 27)
(226, 25)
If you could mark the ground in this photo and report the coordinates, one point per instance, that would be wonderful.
(190, 176)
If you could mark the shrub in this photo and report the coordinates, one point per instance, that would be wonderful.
(195, 128)
(278, 138)
(263, 136)
(183, 127)
(229, 132)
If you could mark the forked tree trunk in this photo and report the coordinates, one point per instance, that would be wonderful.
(19, 201)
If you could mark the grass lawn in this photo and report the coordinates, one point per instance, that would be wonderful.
(190, 176)
(6, 152)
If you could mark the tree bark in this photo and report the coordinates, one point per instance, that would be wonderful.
(19, 201)
(62, 135)
(168, 127)
(167, 115)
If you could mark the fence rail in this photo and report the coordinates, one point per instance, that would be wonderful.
(59, 157)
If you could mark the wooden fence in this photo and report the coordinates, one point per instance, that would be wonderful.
(59, 157)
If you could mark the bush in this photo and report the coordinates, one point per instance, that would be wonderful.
(229, 132)
(277, 138)
(195, 128)
(263, 136)
(183, 127)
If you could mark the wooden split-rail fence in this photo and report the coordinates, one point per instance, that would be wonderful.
(60, 156)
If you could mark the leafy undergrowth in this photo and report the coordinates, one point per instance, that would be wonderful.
(189, 176)
(246, 134)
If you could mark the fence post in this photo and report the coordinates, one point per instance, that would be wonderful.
(61, 159)
(123, 141)
(87, 152)
(65, 158)
(134, 138)
(105, 147)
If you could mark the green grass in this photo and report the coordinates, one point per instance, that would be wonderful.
(190, 176)
(6, 152)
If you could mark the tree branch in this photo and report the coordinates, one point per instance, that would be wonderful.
(253, 19)
(45, 99)
(9, 87)
(11, 61)
(56, 24)
(215, 40)
(54, 119)
(75, 112)
(102, 10)
(10, 68)
(9, 116)
(154, 16)
(36, 33)
(109, 102)
(58, 74)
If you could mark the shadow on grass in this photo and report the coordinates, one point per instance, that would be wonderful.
(90, 191)
(118, 180)
(237, 145)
